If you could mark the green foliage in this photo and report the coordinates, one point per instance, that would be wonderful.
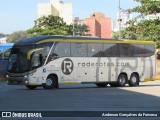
(54, 25)
(49, 25)
(80, 29)
(142, 28)
(125, 35)
(147, 7)
(2, 35)
(147, 30)
(16, 36)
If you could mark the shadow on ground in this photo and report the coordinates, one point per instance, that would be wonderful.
(76, 98)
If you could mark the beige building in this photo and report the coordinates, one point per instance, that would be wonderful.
(57, 8)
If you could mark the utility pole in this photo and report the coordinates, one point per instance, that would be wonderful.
(73, 26)
(119, 19)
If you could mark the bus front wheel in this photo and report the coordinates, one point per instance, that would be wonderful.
(51, 82)
(32, 87)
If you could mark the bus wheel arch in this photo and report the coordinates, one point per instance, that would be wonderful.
(134, 79)
(122, 79)
(51, 82)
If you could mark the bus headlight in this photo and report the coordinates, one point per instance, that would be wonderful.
(26, 82)
(25, 76)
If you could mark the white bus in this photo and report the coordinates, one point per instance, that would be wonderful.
(49, 61)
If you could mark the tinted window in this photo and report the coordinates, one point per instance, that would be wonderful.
(61, 50)
(43, 52)
(79, 49)
(45, 48)
(94, 50)
(139, 50)
(125, 50)
(149, 50)
(18, 61)
(110, 50)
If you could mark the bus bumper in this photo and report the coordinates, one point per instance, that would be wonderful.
(17, 80)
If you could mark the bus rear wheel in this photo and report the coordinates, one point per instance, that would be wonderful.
(51, 82)
(101, 84)
(32, 87)
(122, 79)
(134, 80)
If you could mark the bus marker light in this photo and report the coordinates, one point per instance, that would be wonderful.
(7, 76)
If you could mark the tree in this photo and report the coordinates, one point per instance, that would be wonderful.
(142, 28)
(147, 7)
(2, 35)
(54, 25)
(49, 25)
(80, 29)
(16, 36)
(125, 35)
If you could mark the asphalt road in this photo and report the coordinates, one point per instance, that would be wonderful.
(146, 97)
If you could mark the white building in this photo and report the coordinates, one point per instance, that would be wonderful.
(3, 40)
(153, 16)
(56, 8)
(79, 21)
(124, 17)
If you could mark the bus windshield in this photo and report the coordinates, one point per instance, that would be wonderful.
(19, 61)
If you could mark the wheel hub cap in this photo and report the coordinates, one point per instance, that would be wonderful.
(49, 82)
(122, 80)
(134, 80)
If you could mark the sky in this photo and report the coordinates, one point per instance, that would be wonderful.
(16, 15)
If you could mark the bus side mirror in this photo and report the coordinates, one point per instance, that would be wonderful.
(41, 59)
(3, 53)
(32, 51)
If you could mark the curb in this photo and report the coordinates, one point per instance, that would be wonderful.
(157, 77)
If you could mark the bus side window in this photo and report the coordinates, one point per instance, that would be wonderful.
(36, 61)
(110, 50)
(126, 50)
(95, 50)
(61, 50)
(149, 50)
(107, 50)
(123, 50)
(78, 49)
(131, 51)
(139, 50)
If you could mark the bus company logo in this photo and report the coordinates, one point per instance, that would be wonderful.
(67, 66)
(6, 114)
